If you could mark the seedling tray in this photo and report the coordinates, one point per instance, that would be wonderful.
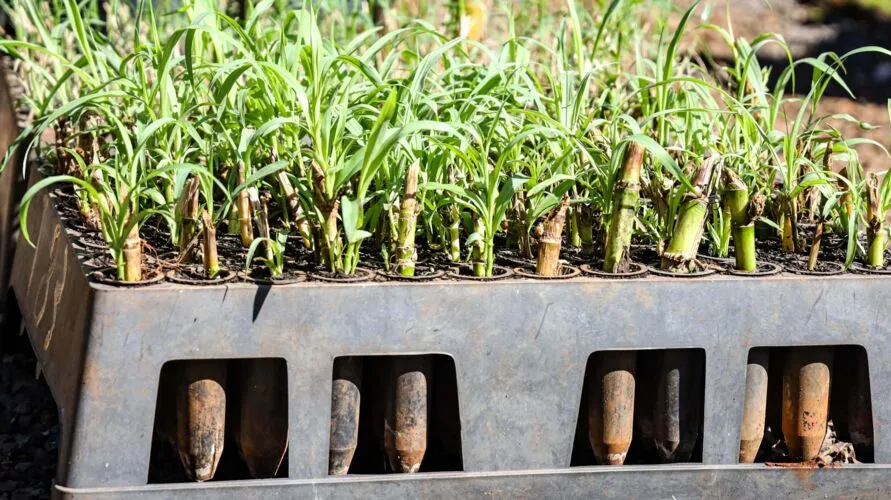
(520, 349)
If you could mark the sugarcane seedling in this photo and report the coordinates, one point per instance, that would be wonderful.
(201, 416)
(680, 255)
(743, 212)
(754, 405)
(261, 422)
(876, 236)
(678, 410)
(611, 405)
(346, 398)
(806, 380)
(328, 237)
(548, 263)
(243, 206)
(407, 415)
(209, 253)
(626, 195)
(187, 214)
(408, 217)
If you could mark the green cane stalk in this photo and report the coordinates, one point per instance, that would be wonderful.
(680, 255)
(626, 196)
(408, 217)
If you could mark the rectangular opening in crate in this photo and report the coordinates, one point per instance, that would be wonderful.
(807, 404)
(641, 407)
(220, 419)
(394, 414)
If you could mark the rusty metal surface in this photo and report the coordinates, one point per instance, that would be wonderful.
(806, 379)
(611, 406)
(199, 390)
(407, 420)
(672, 481)
(520, 351)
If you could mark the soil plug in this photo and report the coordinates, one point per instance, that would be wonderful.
(261, 422)
(211, 260)
(681, 252)
(743, 213)
(754, 406)
(346, 395)
(806, 380)
(244, 209)
(678, 406)
(611, 406)
(201, 417)
(187, 213)
(875, 221)
(408, 216)
(626, 195)
(551, 240)
(408, 400)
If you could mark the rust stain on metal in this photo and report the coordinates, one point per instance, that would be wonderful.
(346, 391)
(806, 381)
(406, 424)
(611, 406)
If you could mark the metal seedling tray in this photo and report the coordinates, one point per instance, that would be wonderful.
(520, 350)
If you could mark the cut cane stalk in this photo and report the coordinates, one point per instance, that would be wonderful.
(187, 213)
(815, 247)
(211, 259)
(754, 406)
(294, 208)
(346, 394)
(875, 221)
(259, 208)
(328, 239)
(611, 406)
(743, 213)
(625, 199)
(261, 424)
(201, 417)
(244, 210)
(407, 418)
(408, 215)
(806, 380)
(133, 255)
(680, 254)
(548, 263)
(478, 249)
(678, 406)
